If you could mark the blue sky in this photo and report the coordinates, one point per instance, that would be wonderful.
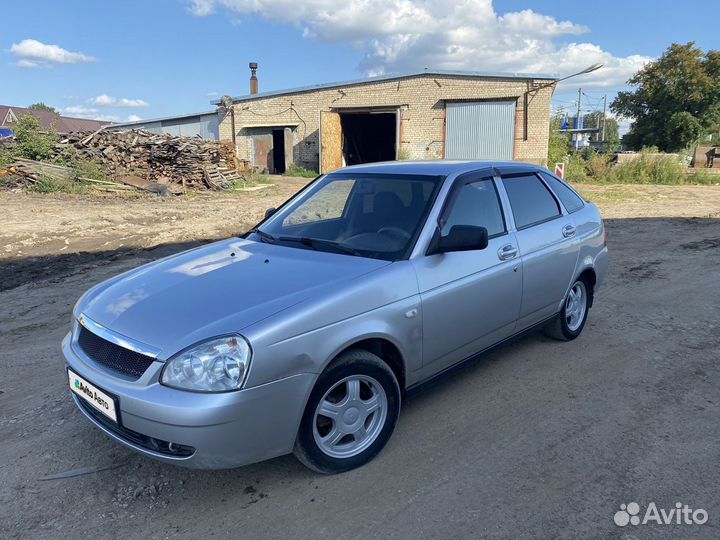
(145, 59)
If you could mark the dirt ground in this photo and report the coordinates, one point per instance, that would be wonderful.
(537, 439)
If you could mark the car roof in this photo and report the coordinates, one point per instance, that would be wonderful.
(439, 167)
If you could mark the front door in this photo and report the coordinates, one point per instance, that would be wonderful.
(470, 299)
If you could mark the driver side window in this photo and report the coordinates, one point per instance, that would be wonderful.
(477, 204)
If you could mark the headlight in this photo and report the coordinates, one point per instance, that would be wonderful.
(216, 365)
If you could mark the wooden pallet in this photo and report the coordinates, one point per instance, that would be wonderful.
(221, 177)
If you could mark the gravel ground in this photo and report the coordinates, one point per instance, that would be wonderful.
(537, 439)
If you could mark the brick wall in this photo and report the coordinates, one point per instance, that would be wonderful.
(421, 100)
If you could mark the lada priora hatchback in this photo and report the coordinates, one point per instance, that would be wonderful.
(304, 334)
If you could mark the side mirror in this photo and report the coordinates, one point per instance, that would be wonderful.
(461, 238)
(269, 212)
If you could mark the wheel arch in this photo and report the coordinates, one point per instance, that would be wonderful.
(589, 275)
(381, 346)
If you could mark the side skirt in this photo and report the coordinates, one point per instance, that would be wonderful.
(418, 386)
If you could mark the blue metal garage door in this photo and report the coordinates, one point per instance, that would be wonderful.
(480, 130)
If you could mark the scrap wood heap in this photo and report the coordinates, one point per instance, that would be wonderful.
(156, 157)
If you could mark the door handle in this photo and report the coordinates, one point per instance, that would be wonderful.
(508, 251)
(568, 230)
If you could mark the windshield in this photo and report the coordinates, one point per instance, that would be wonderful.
(369, 215)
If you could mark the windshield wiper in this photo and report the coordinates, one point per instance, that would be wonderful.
(318, 243)
(264, 237)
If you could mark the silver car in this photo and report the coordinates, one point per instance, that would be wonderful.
(304, 334)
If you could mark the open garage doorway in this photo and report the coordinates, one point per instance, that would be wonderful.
(356, 137)
(278, 150)
(369, 137)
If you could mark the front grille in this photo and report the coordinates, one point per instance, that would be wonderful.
(149, 443)
(112, 356)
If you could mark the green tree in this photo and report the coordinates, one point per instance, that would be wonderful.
(595, 120)
(31, 142)
(558, 143)
(40, 106)
(683, 80)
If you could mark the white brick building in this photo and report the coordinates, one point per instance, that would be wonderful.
(430, 115)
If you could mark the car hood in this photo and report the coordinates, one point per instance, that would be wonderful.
(216, 289)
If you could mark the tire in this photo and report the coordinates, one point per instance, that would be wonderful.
(350, 415)
(571, 320)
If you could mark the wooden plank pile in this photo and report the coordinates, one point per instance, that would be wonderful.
(157, 157)
(26, 172)
(33, 170)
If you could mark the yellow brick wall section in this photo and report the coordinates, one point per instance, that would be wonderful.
(422, 104)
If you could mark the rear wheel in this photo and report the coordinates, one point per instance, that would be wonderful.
(574, 313)
(350, 415)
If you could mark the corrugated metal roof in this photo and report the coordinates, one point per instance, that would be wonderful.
(369, 80)
(163, 119)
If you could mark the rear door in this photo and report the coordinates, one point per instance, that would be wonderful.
(470, 299)
(545, 235)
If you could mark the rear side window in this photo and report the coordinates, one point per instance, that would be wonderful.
(531, 201)
(571, 201)
(476, 204)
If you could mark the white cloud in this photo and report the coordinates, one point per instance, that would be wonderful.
(201, 8)
(26, 64)
(133, 118)
(80, 110)
(212, 94)
(105, 117)
(410, 35)
(33, 53)
(132, 103)
(103, 100)
(91, 113)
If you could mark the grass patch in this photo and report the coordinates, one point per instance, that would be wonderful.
(704, 177)
(250, 179)
(48, 184)
(647, 168)
(297, 170)
(253, 179)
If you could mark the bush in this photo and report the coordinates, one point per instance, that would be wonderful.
(297, 170)
(649, 169)
(598, 166)
(558, 143)
(704, 176)
(48, 184)
(575, 169)
(31, 142)
(82, 166)
(6, 156)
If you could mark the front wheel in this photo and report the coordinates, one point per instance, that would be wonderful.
(350, 415)
(572, 318)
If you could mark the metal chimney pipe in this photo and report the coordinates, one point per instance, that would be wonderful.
(253, 78)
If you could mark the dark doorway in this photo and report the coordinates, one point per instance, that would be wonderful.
(368, 137)
(278, 151)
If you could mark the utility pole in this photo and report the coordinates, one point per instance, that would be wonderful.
(577, 121)
(604, 110)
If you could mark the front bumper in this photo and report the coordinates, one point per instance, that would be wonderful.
(223, 430)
